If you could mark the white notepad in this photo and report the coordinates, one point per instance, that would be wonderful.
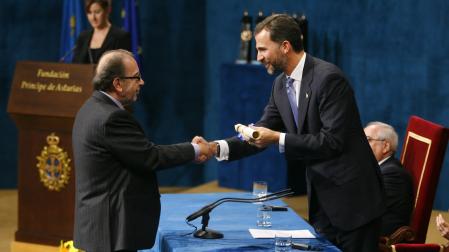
(269, 233)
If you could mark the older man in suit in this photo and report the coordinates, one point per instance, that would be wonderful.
(117, 204)
(398, 184)
(312, 115)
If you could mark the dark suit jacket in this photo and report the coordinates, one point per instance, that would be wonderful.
(329, 143)
(117, 198)
(115, 39)
(399, 190)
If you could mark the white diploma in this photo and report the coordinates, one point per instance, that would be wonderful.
(247, 132)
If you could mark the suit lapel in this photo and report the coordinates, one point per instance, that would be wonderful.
(305, 92)
(85, 46)
(108, 39)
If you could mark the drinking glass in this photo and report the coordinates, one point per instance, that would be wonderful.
(260, 188)
(263, 217)
(282, 242)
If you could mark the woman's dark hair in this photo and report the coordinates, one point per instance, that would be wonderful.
(105, 4)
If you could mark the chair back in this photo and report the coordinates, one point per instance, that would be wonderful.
(417, 248)
(422, 154)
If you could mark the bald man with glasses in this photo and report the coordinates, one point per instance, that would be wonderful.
(117, 200)
(383, 140)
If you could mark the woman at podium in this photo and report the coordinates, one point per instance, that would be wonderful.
(102, 37)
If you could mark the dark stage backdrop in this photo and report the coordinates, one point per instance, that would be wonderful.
(30, 30)
(395, 54)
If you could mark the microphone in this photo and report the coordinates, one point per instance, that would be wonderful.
(68, 53)
(199, 213)
(204, 212)
(209, 207)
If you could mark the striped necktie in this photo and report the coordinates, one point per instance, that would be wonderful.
(291, 93)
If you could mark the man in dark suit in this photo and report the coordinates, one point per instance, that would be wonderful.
(313, 116)
(117, 198)
(398, 184)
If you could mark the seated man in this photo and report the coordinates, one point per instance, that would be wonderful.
(442, 226)
(397, 181)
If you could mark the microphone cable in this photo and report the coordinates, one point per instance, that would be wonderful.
(190, 224)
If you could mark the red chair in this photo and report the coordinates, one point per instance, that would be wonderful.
(422, 154)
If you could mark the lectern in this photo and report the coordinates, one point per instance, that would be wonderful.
(43, 102)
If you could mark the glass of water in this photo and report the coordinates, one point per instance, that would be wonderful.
(263, 217)
(260, 188)
(282, 242)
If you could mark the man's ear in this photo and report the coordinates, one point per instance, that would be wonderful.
(286, 47)
(387, 147)
(117, 85)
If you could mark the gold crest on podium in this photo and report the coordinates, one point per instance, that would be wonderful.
(54, 169)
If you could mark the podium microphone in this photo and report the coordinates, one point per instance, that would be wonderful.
(205, 233)
(68, 53)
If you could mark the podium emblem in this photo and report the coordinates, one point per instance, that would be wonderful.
(53, 165)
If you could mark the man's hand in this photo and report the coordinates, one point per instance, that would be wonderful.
(207, 150)
(442, 226)
(265, 138)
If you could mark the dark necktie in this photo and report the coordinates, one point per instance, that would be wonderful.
(291, 93)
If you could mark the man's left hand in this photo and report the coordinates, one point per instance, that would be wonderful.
(266, 137)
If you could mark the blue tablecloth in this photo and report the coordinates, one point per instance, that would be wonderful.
(232, 219)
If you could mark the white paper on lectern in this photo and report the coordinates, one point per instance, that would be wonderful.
(269, 233)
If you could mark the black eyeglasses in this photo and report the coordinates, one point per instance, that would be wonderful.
(374, 139)
(138, 77)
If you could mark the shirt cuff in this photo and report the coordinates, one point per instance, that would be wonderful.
(196, 147)
(282, 143)
(224, 150)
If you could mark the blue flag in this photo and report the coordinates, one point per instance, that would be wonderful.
(72, 25)
(130, 17)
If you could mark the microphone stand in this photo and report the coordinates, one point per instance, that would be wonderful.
(205, 233)
(68, 53)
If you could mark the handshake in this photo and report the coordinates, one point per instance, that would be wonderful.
(207, 150)
(259, 137)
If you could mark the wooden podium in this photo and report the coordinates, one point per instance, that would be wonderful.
(43, 102)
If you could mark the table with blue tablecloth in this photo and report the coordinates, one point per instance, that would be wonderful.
(231, 219)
